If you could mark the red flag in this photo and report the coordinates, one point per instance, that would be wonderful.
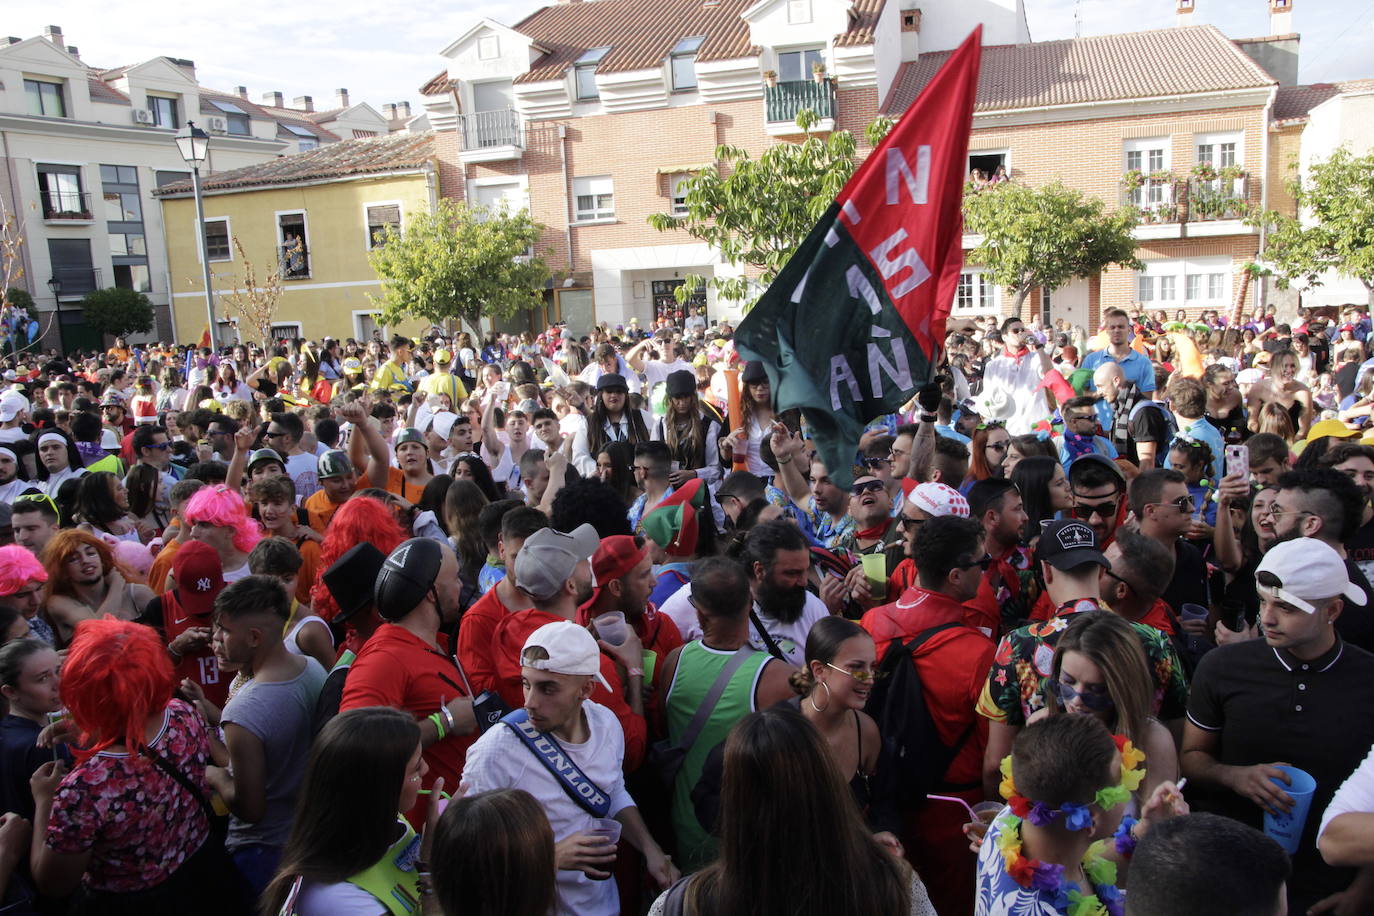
(205, 337)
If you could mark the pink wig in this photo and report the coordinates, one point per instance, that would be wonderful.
(18, 568)
(224, 508)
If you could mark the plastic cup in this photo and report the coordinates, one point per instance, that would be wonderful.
(1192, 612)
(608, 828)
(1286, 829)
(983, 815)
(875, 571)
(612, 627)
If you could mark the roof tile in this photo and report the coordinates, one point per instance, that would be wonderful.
(1295, 102)
(1135, 65)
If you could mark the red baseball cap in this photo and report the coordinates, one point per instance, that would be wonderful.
(198, 576)
(616, 556)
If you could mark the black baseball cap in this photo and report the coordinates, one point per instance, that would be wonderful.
(612, 380)
(1068, 544)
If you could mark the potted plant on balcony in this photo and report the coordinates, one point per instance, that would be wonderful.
(1204, 171)
(770, 77)
(1162, 176)
(818, 71)
(1168, 213)
(1231, 172)
(1133, 180)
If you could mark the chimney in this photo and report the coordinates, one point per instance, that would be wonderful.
(389, 111)
(54, 34)
(272, 99)
(340, 98)
(74, 51)
(10, 40)
(303, 103)
(241, 92)
(1185, 13)
(403, 109)
(1280, 17)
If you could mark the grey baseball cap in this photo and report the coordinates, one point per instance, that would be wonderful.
(547, 559)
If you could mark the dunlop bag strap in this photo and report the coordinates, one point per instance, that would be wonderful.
(587, 794)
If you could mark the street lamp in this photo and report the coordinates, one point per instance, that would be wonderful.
(194, 145)
(55, 285)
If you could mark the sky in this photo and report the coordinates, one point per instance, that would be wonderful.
(383, 52)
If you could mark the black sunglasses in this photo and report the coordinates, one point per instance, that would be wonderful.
(982, 563)
(868, 486)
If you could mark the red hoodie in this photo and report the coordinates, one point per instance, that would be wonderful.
(506, 644)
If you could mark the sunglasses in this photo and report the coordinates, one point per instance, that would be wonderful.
(876, 462)
(903, 521)
(1182, 504)
(1105, 511)
(982, 563)
(862, 675)
(1113, 575)
(1091, 699)
(868, 486)
(36, 499)
(160, 446)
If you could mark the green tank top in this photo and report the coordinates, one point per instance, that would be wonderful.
(697, 669)
(392, 879)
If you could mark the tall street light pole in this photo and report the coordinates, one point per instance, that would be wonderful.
(194, 145)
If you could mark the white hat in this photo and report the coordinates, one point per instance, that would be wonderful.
(937, 499)
(442, 423)
(997, 405)
(1306, 570)
(109, 440)
(570, 649)
(12, 403)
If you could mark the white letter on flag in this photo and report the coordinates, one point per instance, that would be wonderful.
(889, 267)
(840, 372)
(915, 184)
(860, 288)
(900, 373)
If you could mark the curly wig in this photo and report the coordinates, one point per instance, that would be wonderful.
(360, 519)
(116, 675)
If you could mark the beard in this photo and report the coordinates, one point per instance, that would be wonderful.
(782, 603)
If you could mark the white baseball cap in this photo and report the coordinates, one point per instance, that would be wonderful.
(12, 403)
(937, 499)
(571, 650)
(1307, 570)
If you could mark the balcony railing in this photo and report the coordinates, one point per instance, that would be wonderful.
(783, 101)
(1157, 200)
(484, 129)
(1218, 198)
(76, 281)
(66, 205)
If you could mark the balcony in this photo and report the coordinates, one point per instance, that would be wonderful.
(783, 101)
(67, 207)
(1173, 207)
(1218, 198)
(76, 281)
(491, 136)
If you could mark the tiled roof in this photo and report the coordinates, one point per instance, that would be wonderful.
(319, 116)
(640, 33)
(863, 19)
(438, 84)
(297, 118)
(263, 112)
(347, 157)
(102, 91)
(1294, 102)
(1135, 65)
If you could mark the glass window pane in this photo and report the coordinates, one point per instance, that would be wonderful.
(143, 281)
(684, 73)
(1145, 288)
(1156, 159)
(1135, 161)
(118, 244)
(217, 239)
(1167, 288)
(586, 83)
(1194, 288)
(688, 45)
(1215, 285)
(789, 66)
(109, 174)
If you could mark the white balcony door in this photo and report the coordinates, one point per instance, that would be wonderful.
(493, 96)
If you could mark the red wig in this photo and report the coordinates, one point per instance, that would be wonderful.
(360, 519)
(116, 675)
(978, 457)
(64, 546)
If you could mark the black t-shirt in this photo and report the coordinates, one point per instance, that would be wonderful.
(1189, 584)
(1346, 377)
(20, 756)
(1356, 623)
(1148, 425)
(1232, 426)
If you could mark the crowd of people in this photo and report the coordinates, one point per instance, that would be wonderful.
(581, 624)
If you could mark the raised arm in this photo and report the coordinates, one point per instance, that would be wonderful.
(786, 447)
(490, 440)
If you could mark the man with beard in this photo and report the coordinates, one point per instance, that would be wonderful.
(404, 665)
(555, 570)
(625, 579)
(10, 483)
(84, 582)
(778, 559)
(1354, 461)
(1321, 503)
(1097, 485)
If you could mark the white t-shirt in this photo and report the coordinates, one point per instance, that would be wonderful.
(13, 434)
(234, 575)
(656, 371)
(1356, 795)
(342, 899)
(500, 760)
(303, 469)
(790, 637)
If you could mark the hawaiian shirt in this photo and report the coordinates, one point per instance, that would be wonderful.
(1019, 679)
(822, 528)
(999, 894)
(1018, 589)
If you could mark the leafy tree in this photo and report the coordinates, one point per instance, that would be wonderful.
(1336, 231)
(116, 311)
(19, 298)
(1045, 236)
(460, 262)
(757, 212)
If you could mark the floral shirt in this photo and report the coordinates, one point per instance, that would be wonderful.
(138, 823)
(822, 528)
(1020, 673)
(999, 894)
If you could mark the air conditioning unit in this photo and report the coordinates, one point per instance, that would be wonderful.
(218, 125)
(143, 116)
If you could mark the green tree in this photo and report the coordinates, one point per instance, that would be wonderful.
(460, 262)
(1336, 229)
(116, 311)
(1045, 236)
(756, 212)
(19, 298)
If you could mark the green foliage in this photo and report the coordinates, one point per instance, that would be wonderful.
(1336, 231)
(19, 298)
(459, 262)
(1045, 236)
(756, 212)
(117, 311)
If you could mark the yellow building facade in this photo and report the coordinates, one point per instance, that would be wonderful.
(313, 217)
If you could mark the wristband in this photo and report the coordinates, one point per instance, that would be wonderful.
(929, 417)
(781, 462)
(449, 721)
(634, 672)
(438, 721)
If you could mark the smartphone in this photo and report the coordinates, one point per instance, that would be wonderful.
(1238, 460)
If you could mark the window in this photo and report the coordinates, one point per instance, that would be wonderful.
(584, 73)
(236, 119)
(1167, 289)
(798, 11)
(493, 95)
(379, 217)
(133, 276)
(683, 61)
(1204, 281)
(123, 206)
(164, 111)
(304, 144)
(488, 47)
(295, 254)
(217, 240)
(61, 193)
(45, 99)
(163, 179)
(1147, 157)
(677, 194)
(1145, 288)
(975, 294)
(593, 198)
(1220, 150)
(305, 138)
(1194, 286)
(796, 65)
(127, 244)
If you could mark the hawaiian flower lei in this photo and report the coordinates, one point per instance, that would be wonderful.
(1044, 876)
(1078, 817)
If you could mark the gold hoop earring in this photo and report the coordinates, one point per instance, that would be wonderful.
(812, 701)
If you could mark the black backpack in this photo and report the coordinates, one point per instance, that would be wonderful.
(915, 755)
